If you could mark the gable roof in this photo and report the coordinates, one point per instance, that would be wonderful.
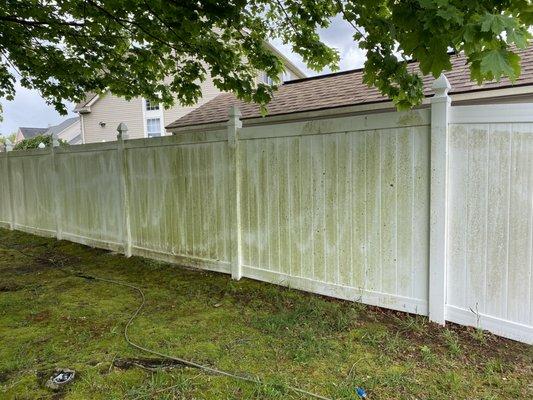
(340, 89)
(56, 129)
(29, 133)
(82, 104)
(286, 62)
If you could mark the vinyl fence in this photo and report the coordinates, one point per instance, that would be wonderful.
(429, 211)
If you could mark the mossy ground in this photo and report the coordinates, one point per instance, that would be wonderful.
(50, 318)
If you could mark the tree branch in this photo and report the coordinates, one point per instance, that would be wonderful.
(27, 22)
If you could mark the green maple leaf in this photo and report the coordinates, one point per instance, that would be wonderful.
(518, 37)
(496, 23)
(497, 63)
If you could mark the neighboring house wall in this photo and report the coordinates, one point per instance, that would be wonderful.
(288, 75)
(106, 113)
(209, 91)
(19, 137)
(71, 134)
(112, 110)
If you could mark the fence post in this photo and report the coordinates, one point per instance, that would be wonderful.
(9, 148)
(56, 188)
(440, 110)
(122, 130)
(234, 124)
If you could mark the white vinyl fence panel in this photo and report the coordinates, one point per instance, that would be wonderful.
(339, 206)
(88, 194)
(31, 184)
(5, 207)
(344, 213)
(490, 247)
(179, 201)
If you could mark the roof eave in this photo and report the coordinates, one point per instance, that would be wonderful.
(288, 63)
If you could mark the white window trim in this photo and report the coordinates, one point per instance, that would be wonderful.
(160, 126)
(146, 106)
(149, 114)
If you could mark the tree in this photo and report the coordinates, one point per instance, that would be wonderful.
(65, 48)
(34, 142)
(11, 138)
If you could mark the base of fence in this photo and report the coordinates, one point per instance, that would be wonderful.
(498, 326)
(101, 244)
(36, 231)
(186, 261)
(399, 303)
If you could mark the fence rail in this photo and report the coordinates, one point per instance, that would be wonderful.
(428, 211)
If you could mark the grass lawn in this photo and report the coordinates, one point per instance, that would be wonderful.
(50, 318)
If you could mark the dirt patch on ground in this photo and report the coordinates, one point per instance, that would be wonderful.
(4, 377)
(152, 364)
(10, 287)
(40, 316)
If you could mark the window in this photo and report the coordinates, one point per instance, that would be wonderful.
(266, 79)
(153, 127)
(151, 106)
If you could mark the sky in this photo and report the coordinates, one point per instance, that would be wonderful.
(30, 110)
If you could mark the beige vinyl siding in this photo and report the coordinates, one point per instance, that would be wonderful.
(291, 72)
(70, 132)
(19, 136)
(113, 110)
(209, 91)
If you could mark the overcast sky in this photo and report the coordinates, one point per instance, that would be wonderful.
(29, 109)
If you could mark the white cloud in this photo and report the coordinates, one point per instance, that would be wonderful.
(339, 36)
(29, 109)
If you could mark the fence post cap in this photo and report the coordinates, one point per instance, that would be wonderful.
(122, 130)
(441, 85)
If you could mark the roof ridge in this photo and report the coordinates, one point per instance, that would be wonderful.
(347, 71)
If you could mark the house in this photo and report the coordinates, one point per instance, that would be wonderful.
(68, 130)
(344, 93)
(28, 133)
(101, 114)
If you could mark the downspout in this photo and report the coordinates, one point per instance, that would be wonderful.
(82, 125)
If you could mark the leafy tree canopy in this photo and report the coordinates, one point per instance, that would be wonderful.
(11, 138)
(64, 48)
(34, 142)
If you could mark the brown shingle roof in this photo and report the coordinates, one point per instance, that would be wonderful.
(338, 90)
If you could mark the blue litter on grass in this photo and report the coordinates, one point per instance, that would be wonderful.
(361, 392)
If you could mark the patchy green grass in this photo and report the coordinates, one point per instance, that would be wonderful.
(51, 319)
